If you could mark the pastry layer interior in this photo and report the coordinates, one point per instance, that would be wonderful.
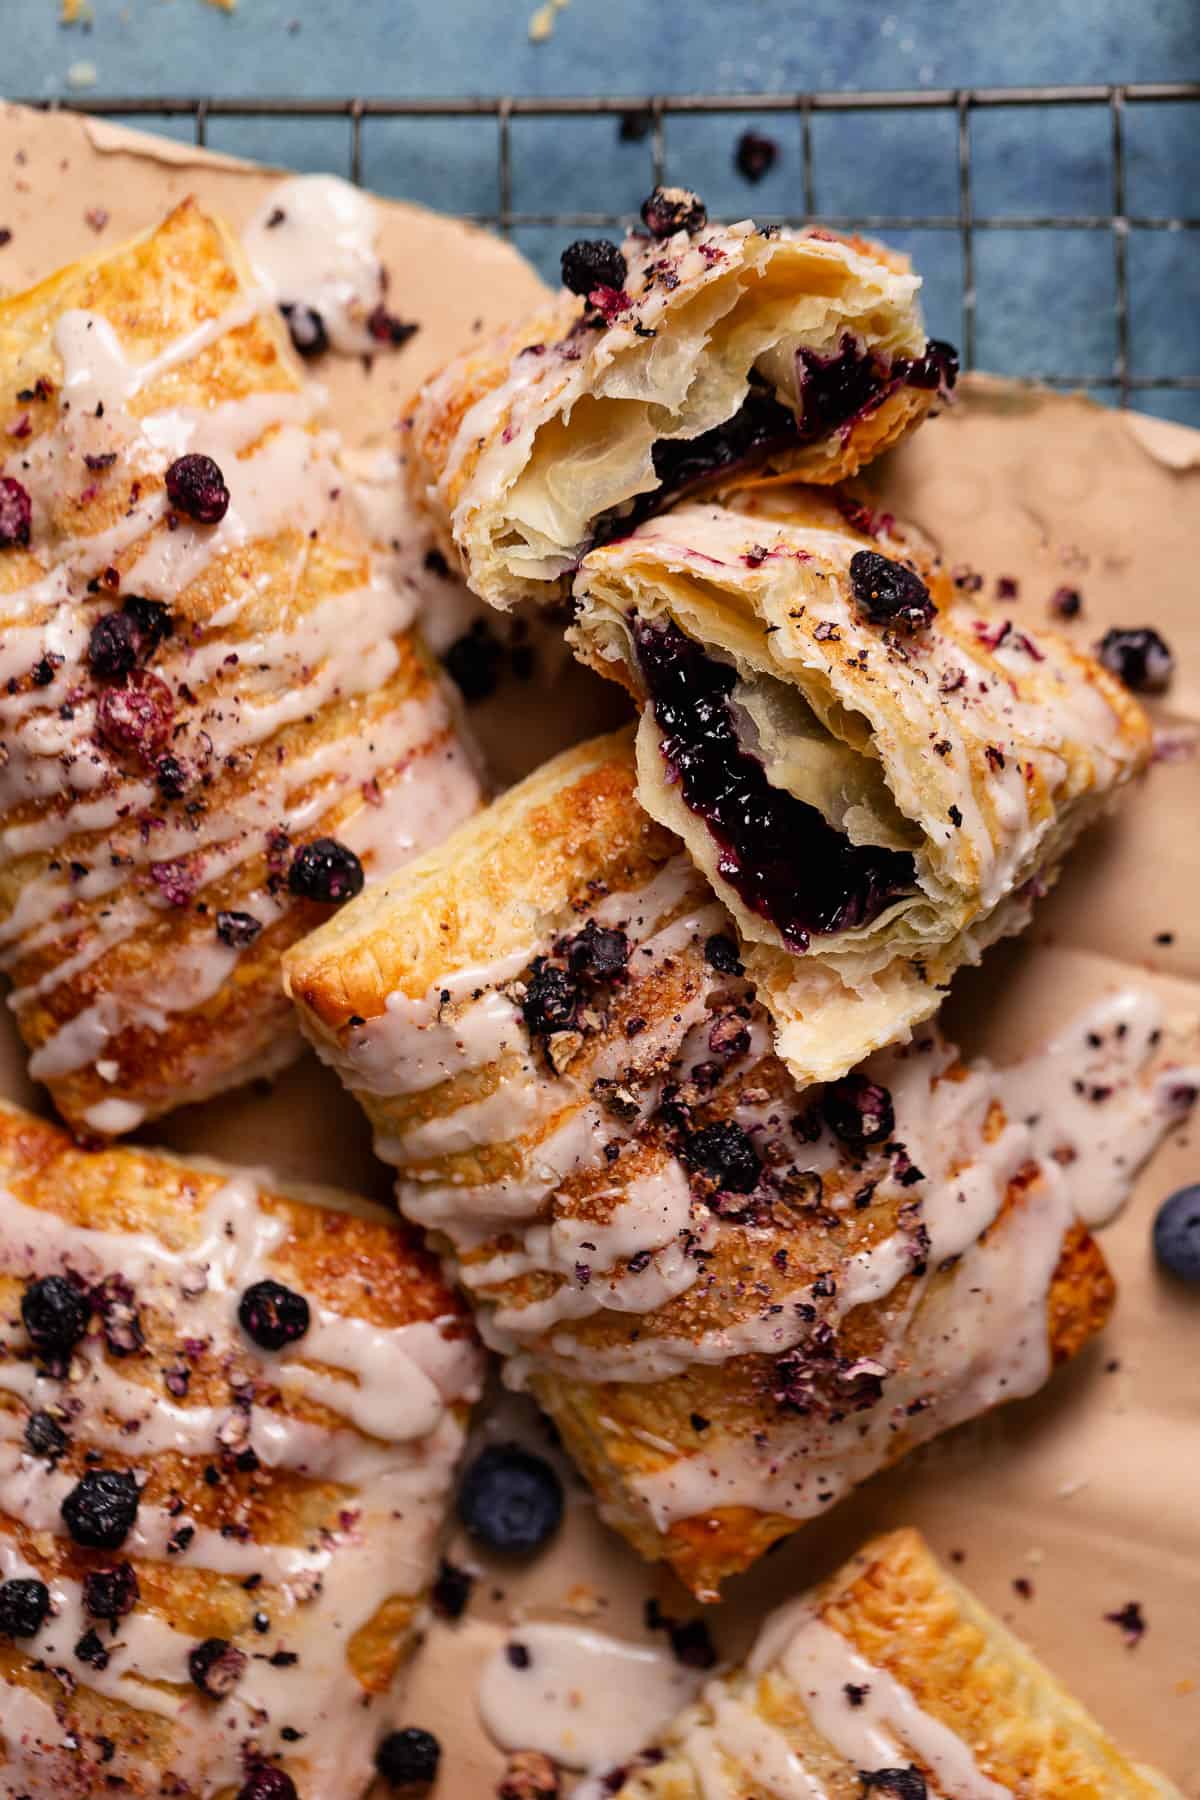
(890, 1666)
(726, 354)
(874, 805)
(737, 1298)
(275, 695)
(289, 1501)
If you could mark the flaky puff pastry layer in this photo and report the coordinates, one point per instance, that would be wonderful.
(889, 1678)
(734, 1302)
(729, 354)
(166, 775)
(943, 771)
(288, 1499)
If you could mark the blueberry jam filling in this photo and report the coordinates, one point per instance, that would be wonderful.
(779, 855)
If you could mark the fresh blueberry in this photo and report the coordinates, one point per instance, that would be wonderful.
(409, 1758)
(273, 1315)
(55, 1314)
(510, 1499)
(100, 1509)
(24, 1607)
(1177, 1233)
(326, 871)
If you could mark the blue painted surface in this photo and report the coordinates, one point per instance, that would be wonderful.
(1044, 298)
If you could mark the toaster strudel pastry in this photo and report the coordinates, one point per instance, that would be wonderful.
(890, 1680)
(736, 1298)
(230, 1415)
(693, 355)
(212, 715)
(876, 774)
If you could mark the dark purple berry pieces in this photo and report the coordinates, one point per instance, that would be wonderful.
(110, 1594)
(306, 329)
(510, 1499)
(238, 929)
(889, 593)
(24, 1607)
(113, 646)
(136, 718)
(900, 1784)
(44, 1436)
(16, 513)
(591, 263)
(409, 1758)
(597, 952)
(473, 662)
(755, 155)
(1177, 1233)
(273, 1315)
(858, 1111)
(386, 328)
(171, 777)
(1066, 603)
(451, 1591)
(721, 954)
(100, 1510)
(90, 1650)
(55, 1314)
(266, 1782)
(151, 619)
(551, 999)
(196, 486)
(216, 1666)
(725, 1153)
(672, 209)
(1138, 657)
(691, 1643)
(326, 871)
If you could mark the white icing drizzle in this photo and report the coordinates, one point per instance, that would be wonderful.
(393, 1387)
(585, 1699)
(312, 244)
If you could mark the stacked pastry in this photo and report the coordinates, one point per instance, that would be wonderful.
(213, 717)
(612, 1033)
(229, 1420)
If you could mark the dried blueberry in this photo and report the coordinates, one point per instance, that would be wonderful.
(1066, 603)
(451, 1591)
(597, 952)
(238, 929)
(551, 998)
(90, 1650)
(16, 513)
(1138, 657)
(306, 329)
(858, 1111)
(1177, 1233)
(901, 1784)
(24, 1607)
(721, 954)
(216, 1666)
(691, 1643)
(151, 619)
(113, 1299)
(673, 209)
(111, 1594)
(55, 1314)
(326, 871)
(755, 155)
(100, 1509)
(273, 1315)
(473, 662)
(266, 1782)
(725, 1153)
(510, 1499)
(409, 1758)
(591, 263)
(888, 592)
(44, 1436)
(171, 777)
(386, 328)
(136, 718)
(196, 486)
(113, 646)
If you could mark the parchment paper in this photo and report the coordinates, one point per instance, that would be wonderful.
(1090, 1491)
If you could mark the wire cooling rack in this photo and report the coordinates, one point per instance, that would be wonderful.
(647, 120)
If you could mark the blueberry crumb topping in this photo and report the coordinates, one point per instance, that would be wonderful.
(725, 1154)
(238, 930)
(551, 999)
(16, 513)
(44, 1436)
(509, 1499)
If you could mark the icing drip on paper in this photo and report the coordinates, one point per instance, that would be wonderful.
(312, 246)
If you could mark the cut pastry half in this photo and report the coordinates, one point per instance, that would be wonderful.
(736, 1298)
(230, 1415)
(876, 774)
(214, 719)
(705, 356)
(890, 1679)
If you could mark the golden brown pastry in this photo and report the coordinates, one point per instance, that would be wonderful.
(876, 774)
(889, 1680)
(694, 356)
(736, 1298)
(229, 1419)
(206, 674)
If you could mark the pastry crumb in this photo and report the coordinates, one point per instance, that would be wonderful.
(82, 75)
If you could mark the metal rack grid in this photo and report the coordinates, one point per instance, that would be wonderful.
(960, 103)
